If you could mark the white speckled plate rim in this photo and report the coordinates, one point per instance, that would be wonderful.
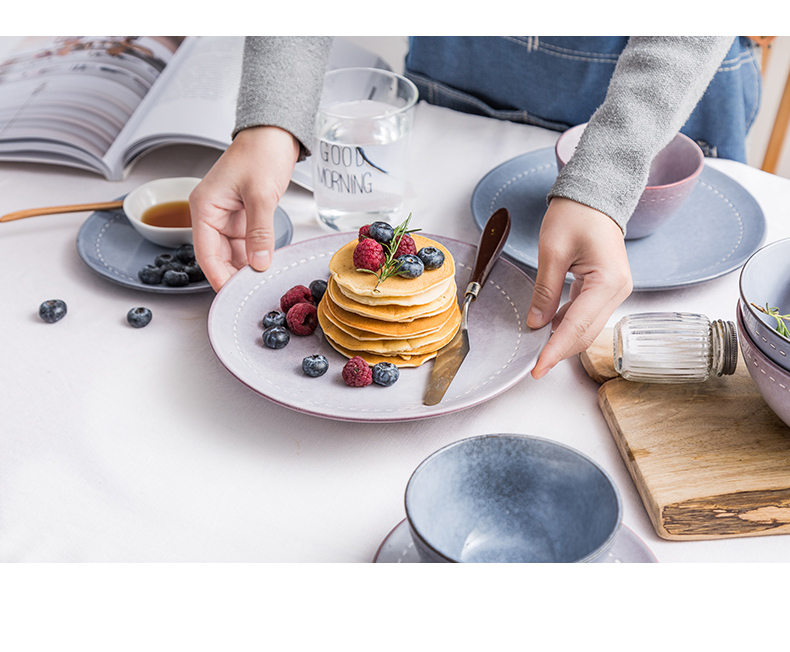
(725, 264)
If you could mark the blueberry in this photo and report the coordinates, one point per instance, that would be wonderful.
(410, 266)
(276, 337)
(176, 265)
(317, 289)
(315, 365)
(186, 254)
(162, 259)
(151, 275)
(194, 272)
(175, 278)
(139, 317)
(431, 257)
(274, 318)
(381, 232)
(52, 310)
(385, 373)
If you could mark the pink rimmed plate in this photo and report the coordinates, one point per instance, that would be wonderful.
(503, 348)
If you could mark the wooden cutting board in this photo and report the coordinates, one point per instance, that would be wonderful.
(710, 460)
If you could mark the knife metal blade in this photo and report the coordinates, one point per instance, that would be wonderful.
(451, 356)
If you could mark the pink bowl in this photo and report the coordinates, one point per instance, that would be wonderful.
(772, 381)
(673, 176)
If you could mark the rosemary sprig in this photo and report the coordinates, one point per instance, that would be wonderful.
(780, 319)
(391, 264)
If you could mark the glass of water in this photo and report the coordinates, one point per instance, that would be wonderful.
(360, 153)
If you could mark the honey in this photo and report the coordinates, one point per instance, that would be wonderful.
(172, 214)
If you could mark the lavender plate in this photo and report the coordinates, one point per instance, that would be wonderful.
(627, 548)
(713, 233)
(503, 350)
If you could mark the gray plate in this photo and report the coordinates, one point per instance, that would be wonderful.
(502, 354)
(110, 246)
(398, 548)
(712, 234)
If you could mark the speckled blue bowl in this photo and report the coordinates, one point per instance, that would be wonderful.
(773, 382)
(511, 498)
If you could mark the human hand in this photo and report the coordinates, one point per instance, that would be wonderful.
(590, 245)
(233, 206)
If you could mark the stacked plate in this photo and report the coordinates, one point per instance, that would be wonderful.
(765, 345)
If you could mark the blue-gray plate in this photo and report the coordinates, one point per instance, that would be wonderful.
(627, 547)
(713, 233)
(110, 246)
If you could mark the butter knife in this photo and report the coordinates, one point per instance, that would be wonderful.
(451, 356)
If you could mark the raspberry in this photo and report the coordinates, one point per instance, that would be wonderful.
(406, 246)
(302, 318)
(369, 254)
(297, 294)
(364, 232)
(357, 373)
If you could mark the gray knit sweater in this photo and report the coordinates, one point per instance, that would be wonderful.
(655, 86)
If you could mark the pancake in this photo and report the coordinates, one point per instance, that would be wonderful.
(409, 346)
(366, 328)
(423, 298)
(391, 312)
(372, 358)
(360, 284)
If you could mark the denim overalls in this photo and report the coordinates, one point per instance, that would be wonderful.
(559, 81)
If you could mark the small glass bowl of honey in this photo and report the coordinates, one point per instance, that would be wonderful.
(159, 210)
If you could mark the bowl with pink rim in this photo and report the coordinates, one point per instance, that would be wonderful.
(672, 178)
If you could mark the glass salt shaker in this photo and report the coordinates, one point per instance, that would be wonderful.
(674, 347)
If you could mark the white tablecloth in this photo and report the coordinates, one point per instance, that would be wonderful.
(118, 444)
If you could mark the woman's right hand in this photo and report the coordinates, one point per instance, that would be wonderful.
(233, 206)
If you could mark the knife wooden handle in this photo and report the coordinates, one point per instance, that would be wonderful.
(492, 242)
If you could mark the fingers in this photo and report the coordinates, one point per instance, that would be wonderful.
(578, 323)
(580, 240)
(548, 290)
(260, 238)
(233, 207)
(207, 239)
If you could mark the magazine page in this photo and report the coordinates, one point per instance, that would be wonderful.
(65, 99)
(194, 101)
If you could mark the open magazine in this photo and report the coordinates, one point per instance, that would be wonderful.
(100, 102)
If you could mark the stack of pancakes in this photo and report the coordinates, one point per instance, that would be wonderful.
(404, 320)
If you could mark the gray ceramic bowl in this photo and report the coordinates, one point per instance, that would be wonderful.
(511, 498)
(765, 278)
(772, 381)
(673, 176)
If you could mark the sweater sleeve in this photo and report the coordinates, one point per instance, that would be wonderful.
(655, 86)
(281, 81)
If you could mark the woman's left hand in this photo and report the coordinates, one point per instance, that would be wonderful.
(590, 245)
